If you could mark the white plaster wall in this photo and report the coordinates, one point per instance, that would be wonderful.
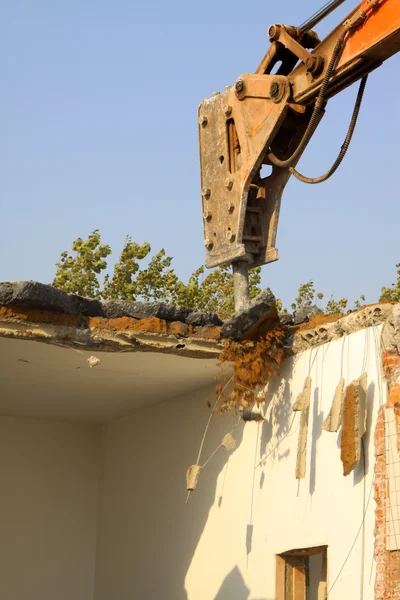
(248, 506)
(48, 509)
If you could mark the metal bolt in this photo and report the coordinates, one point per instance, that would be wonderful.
(273, 32)
(208, 244)
(203, 120)
(230, 235)
(274, 90)
(229, 183)
(314, 64)
(207, 215)
(230, 207)
(227, 109)
(205, 192)
(310, 63)
(239, 86)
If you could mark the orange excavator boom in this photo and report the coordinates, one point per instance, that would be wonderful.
(269, 117)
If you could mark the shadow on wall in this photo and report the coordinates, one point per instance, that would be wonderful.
(149, 533)
(279, 415)
(234, 588)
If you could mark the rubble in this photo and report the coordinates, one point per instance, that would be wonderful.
(261, 309)
(31, 294)
(306, 314)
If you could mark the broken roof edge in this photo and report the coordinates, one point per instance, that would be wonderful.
(324, 328)
(36, 311)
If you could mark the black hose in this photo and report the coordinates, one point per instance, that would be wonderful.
(345, 144)
(318, 107)
(319, 15)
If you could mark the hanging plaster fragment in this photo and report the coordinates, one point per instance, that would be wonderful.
(192, 477)
(354, 423)
(93, 361)
(334, 420)
(229, 442)
(301, 460)
(303, 399)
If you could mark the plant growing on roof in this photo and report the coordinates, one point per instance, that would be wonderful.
(77, 273)
(392, 293)
(305, 296)
(214, 292)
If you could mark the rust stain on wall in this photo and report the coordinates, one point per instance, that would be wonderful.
(348, 452)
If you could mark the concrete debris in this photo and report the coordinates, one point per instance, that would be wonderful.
(334, 420)
(192, 477)
(262, 308)
(114, 309)
(306, 314)
(31, 294)
(303, 399)
(93, 361)
(354, 423)
(301, 459)
(229, 442)
(202, 319)
(286, 319)
(320, 333)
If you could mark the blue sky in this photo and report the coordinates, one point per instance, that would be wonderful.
(98, 130)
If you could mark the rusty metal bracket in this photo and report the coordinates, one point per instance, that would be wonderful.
(236, 128)
(287, 36)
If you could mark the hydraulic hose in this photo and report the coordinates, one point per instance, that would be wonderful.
(318, 107)
(345, 145)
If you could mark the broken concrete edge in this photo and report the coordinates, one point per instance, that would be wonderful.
(104, 337)
(261, 309)
(332, 327)
(387, 314)
(40, 296)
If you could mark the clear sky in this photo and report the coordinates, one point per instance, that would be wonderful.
(99, 130)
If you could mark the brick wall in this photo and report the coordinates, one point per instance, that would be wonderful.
(387, 583)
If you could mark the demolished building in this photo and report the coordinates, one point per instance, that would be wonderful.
(103, 409)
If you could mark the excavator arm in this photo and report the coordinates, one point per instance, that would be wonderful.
(268, 117)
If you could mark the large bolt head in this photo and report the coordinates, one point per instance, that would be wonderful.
(239, 86)
(230, 207)
(203, 120)
(205, 192)
(274, 90)
(208, 244)
(227, 109)
(207, 215)
(229, 183)
(273, 32)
